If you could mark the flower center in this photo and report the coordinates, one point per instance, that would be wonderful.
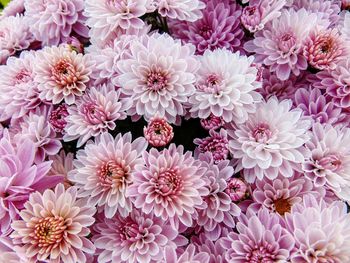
(236, 189)
(250, 17)
(113, 174)
(206, 31)
(287, 42)
(157, 80)
(282, 206)
(168, 183)
(118, 6)
(331, 162)
(23, 77)
(129, 231)
(64, 73)
(57, 118)
(262, 133)
(49, 231)
(260, 254)
(93, 113)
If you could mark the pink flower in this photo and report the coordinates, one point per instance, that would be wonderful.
(158, 132)
(53, 21)
(19, 178)
(57, 118)
(159, 77)
(280, 44)
(19, 91)
(62, 163)
(218, 28)
(213, 248)
(260, 238)
(216, 145)
(324, 48)
(11, 253)
(13, 8)
(212, 122)
(62, 74)
(270, 141)
(185, 10)
(189, 255)
(169, 185)
(225, 87)
(75, 45)
(103, 171)
(136, 238)
(54, 226)
(95, 113)
(237, 189)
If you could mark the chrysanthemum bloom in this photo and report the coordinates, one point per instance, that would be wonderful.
(322, 234)
(159, 77)
(280, 44)
(236, 189)
(225, 87)
(62, 74)
(136, 238)
(319, 108)
(19, 91)
(54, 226)
(103, 171)
(158, 132)
(219, 208)
(216, 144)
(213, 248)
(270, 141)
(212, 122)
(169, 185)
(95, 113)
(218, 28)
(185, 10)
(260, 238)
(11, 253)
(75, 45)
(190, 255)
(57, 118)
(324, 48)
(281, 194)
(328, 162)
(19, 177)
(13, 8)
(107, 16)
(35, 126)
(257, 14)
(62, 163)
(53, 21)
(14, 36)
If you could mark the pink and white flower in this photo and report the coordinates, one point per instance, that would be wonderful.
(158, 132)
(184, 10)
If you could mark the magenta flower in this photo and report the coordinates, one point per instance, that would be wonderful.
(58, 117)
(170, 185)
(237, 189)
(158, 132)
(184, 10)
(212, 122)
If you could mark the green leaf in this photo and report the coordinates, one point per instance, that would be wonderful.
(4, 2)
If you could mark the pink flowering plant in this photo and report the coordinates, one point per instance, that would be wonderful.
(175, 131)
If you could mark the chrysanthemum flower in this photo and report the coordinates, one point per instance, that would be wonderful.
(11, 253)
(53, 21)
(19, 91)
(328, 162)
(62, 74)
(103, 171)
(212, 122)
(189, 255)
(260, 238)
(159, 77)
(62, 163)
(213, 248)
(95, 113)
(19, 178)
(13, 8)
(57, 118)
(225, 87)
(322, 234)
(184, 10)
(14, 36)
(270, 141)
(237, 189)
(158, 132)
(138, 237)
(280, 44)
(54, 226)
(218, 28)
(169, 185)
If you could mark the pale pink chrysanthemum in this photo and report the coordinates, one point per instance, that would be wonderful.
(138, 237)
(13, 8)
(225, 87)
(328, 164)
(184, 10)
(62, 163)
(321, 232)
(62, 74)
(169, 185)
(54, 226)
(219, 208)
(15, 36)
(57, 118)
(95, 113)
(258, 13)
(19, 178)
(158, 132)
(323, 49)
(19, 91)
(11, 253)
(270, 141)
(103, 171)
(314, 104)
(105, 17)
(189, 255)
(280, 44)
(216, 145)
(237, 189)
(53, 21)
(212, 122)
(159, 77)
(260, 238)
(218, 28)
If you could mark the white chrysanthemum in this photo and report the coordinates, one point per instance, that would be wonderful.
(270, 141)
(225, 87)
(186, 10)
